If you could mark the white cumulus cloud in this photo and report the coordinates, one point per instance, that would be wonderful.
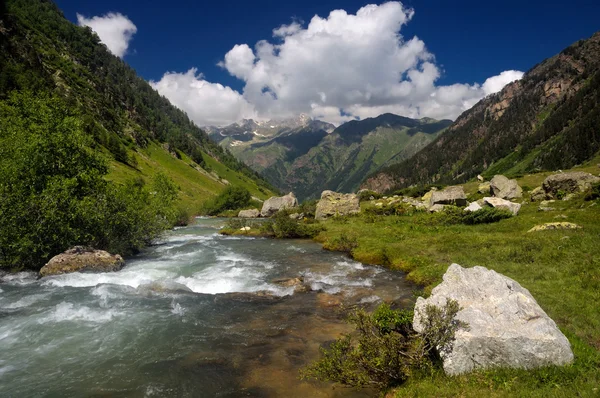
(496, 83)
(335, 68)
(114, 29)
(205, 103)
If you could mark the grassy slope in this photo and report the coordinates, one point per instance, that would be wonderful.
(196, 186)
(560, 268)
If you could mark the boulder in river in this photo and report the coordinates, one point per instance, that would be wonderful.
(276, 203)
(506, 326)
(565, 183)
(82, 259)
(502, 187)
(336, 204)
(251, 213)
(450, 196)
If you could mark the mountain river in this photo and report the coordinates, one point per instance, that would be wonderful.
(198, 315)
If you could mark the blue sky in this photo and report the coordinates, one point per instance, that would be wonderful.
(459, 45)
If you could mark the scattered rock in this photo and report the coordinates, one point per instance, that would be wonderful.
(379, 204)
(503, 204)
(437, 208)
(245, 229)
(484, 188)
(450, 196)
(565, 183)
(427, 197)
(296, 216)
(252, 213)
(502, 187)
(479, 177)
(506, 326)
(538, 194)
(276, 203)
(553, 226)
(297, 283)
(473, 207)
(82, 259)
(336, 204)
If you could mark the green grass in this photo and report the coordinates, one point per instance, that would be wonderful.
(195, 186)
(560, 268)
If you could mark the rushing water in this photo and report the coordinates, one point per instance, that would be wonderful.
(198, 315)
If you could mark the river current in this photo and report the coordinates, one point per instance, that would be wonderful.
(198, 315)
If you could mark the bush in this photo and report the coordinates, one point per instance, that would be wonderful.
(53, 192)
(366, 195)
(308, 207)
(594, 193)
(231, 198)
(384, 351)
(282, 226)
(342, 243)
(453, 215)
(416, 192)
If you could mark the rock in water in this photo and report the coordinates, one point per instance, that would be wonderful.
(336, 204)
(276, 203)
(507, 328)
(573, 182)
(82, 259)
(449, 196)
(252, 213)
(502, 187)
(503, 204)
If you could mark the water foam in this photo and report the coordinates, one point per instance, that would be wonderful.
(26, 301)
(70, 312)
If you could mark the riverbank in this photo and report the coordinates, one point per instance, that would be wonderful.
(561, 268)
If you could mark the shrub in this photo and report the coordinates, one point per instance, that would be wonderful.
(416, 192)
(308, 207)
(231, 198)
(594, 193)
(342, 243)
(384, 350)
(282, 226)
(453, 215)
(53, 192)
(366, 195)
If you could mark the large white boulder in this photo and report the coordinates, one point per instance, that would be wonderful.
(276, 203)
(506, 326)
(502, 187)
(449, 196)
(503, 204)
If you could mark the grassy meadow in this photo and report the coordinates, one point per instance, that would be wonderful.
(561, 268)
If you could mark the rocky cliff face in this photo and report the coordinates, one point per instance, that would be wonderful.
(544, 121)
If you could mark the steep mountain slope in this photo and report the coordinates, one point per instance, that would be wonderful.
(548, 120)
(310, 156)
(41, 51)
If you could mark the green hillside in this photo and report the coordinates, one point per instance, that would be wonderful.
(546, 121)
(90, 154)
(308, 160)
(138, 129)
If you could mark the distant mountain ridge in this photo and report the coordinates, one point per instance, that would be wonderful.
(548, 120)
(307, 156)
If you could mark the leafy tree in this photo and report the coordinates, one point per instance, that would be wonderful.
(53, 192)
(231, 198)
